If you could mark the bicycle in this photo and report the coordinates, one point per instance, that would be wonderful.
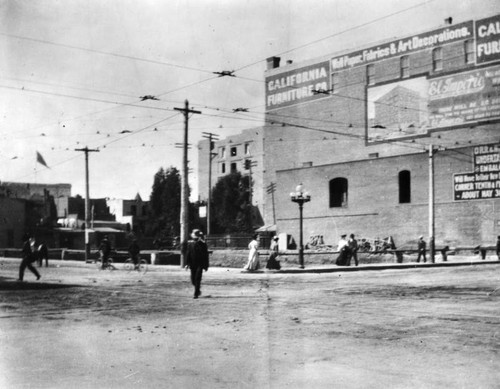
(108, 265)
(141, 267)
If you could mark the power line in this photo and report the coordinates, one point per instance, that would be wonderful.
(342, 32)
(103, 52)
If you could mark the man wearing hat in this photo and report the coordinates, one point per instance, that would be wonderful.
(421, 249)
(196, 260)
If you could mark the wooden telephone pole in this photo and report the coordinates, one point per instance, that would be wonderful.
(86, 150)
(184, 182)
(211, 138)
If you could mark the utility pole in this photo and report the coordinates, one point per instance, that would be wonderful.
(248, 165)
(431, 203)
(86, 150)
(211, 138)
(184, 181)
(271, 188)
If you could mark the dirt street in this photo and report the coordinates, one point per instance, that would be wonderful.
(416, 328)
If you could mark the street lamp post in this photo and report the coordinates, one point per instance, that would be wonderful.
(300, 197)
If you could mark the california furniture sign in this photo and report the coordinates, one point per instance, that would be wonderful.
(298, 86)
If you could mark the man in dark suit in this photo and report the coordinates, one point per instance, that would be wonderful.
(28, 259)
(421, 249)
(196, 260)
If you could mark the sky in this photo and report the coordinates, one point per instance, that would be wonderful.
(73, 74)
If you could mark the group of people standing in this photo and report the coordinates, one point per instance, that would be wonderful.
(348, 250)
(31, 253)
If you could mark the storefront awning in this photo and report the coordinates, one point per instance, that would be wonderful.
(268, 228)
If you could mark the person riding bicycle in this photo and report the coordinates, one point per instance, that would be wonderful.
(105, 250)
(134, 251)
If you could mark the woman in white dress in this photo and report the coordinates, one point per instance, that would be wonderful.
(253, 255)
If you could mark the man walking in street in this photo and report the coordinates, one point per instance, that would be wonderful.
(196, 260)
(28, 259)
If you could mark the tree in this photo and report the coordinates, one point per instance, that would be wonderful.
(231, 208)
(165, 203)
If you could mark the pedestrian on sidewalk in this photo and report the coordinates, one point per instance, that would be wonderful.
(343, 249)
(28, 257)
(253, 254)
(352, 243)
(196, 260)
(272, 262)
(421, 249)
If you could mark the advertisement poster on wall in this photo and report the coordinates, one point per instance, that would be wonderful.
(484, 181)
(298, 86)
(416, 106)
(488, 39)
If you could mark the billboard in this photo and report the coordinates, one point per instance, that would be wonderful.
(484, 182)
(488, 39)
(404, 46)
(416, 106)
(298, 86)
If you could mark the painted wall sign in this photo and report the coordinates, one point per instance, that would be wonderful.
(415, 106)
(484, 182)
(298, 86)
(464, 98)
(488, 39)
(404, 46)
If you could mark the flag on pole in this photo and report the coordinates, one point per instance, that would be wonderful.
(40, 160)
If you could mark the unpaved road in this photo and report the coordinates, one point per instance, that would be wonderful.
(417, 328)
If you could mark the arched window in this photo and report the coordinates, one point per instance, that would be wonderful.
(404, 187)
(338, 192)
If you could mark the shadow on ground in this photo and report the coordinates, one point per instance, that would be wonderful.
(13, 284)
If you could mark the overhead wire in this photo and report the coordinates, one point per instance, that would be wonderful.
(341, 32)
(205, 71)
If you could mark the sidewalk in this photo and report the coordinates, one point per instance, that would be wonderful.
(313, 268)
(454, 261)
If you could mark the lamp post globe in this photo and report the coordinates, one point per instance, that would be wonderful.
(300, 197)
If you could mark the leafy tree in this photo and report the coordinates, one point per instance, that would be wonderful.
(165, 203)
(231, 208)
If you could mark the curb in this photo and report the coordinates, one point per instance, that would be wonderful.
(389, 266)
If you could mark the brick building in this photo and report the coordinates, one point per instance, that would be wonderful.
(358, 128)
(243, 153)
(437, 89)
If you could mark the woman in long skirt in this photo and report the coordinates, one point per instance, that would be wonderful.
(343, 250)
(253, 255)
